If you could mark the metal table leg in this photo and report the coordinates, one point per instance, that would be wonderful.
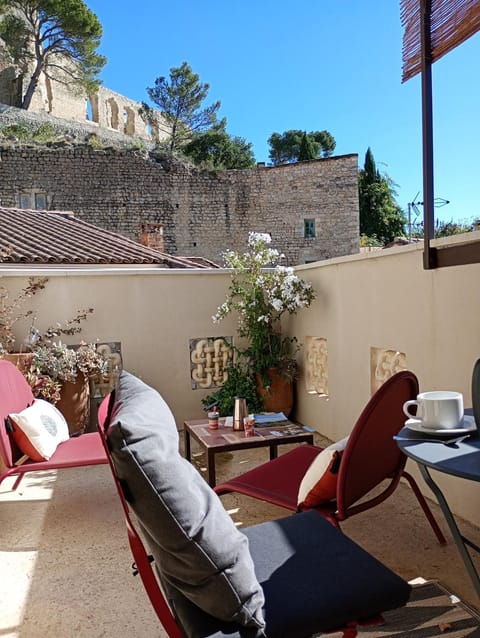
(273, 451)
(187, 444)
(460, 540)
(210, 456)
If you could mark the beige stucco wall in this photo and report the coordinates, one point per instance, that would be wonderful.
(384, 300)
(153, 313)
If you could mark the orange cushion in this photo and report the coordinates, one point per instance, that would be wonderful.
(39, 429)
(319, 484)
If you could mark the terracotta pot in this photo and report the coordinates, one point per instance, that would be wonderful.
(74, 404)
(278, 397)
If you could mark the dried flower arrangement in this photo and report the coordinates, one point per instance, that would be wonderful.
(52, 362)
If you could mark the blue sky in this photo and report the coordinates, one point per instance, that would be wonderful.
(311, 65)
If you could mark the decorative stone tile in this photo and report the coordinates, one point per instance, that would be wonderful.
(101, 385)
(209, 358)
(384, 364)
(316, 366)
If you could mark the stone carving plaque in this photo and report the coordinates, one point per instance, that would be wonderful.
(316, 366)
(209, 359)
(384, 363)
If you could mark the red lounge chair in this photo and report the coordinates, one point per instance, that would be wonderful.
(15, 396)
(370, 458)
(311, 574)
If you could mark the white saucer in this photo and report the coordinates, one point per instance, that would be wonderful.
(468, 426)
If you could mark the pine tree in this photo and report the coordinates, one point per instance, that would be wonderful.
(52, 37)
(180, 99)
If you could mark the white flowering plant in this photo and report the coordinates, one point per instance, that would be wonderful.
(261, 291)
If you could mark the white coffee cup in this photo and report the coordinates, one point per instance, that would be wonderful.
(437, 409)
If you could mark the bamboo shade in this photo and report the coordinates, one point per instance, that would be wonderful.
(452, 22)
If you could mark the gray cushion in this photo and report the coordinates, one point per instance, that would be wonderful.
(196, 546)
(315, 580)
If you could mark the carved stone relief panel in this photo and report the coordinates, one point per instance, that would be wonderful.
(316, 366)
(209, 358)
(102, 384)
(384, 364)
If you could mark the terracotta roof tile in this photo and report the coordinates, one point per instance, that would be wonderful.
(57, 237)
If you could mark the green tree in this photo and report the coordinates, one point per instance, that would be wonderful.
(380, 215)
(285, 147)
(444, 228)
(180, 99)
(215, 149)
(58, 38)
(307, 149)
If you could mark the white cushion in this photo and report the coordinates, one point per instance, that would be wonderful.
(319, 484)
(39, 429)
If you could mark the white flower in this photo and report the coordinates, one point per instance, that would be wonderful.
(277, 304)
(257, 238)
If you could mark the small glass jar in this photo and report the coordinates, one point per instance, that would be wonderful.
(213, 416)
(249, 425)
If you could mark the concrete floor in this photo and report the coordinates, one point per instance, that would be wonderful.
(65, 561)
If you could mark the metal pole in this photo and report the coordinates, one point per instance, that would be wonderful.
(429, 254)
(409, 222)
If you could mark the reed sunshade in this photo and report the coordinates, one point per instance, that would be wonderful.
(451, 23)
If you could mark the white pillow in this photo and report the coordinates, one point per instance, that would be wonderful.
(39, 429)
(319, 484)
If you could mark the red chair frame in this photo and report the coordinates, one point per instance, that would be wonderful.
(16, 395)
(142, 562)
(370, 457)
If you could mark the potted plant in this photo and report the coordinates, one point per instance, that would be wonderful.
(239, 383)
(261, 292)
(56, 372)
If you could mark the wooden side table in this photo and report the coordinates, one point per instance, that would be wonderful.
(225, 439)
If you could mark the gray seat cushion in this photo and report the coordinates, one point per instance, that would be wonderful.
(198, 551)
(315, 580)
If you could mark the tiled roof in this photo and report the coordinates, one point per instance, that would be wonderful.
(57, 237)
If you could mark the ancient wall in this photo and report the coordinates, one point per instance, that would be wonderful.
(74, 130)
(116, 112)
(105, 109)
(309, 208)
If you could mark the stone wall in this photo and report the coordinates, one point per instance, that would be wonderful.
(199, 213)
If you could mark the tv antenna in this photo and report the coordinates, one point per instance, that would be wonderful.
(438, 202)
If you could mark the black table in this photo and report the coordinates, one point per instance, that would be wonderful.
(461, 460)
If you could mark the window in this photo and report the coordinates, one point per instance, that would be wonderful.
(25, 200)
(40, 201)
(33, 201)
(309, 228)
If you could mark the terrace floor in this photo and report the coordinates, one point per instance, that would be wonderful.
(65, 561)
